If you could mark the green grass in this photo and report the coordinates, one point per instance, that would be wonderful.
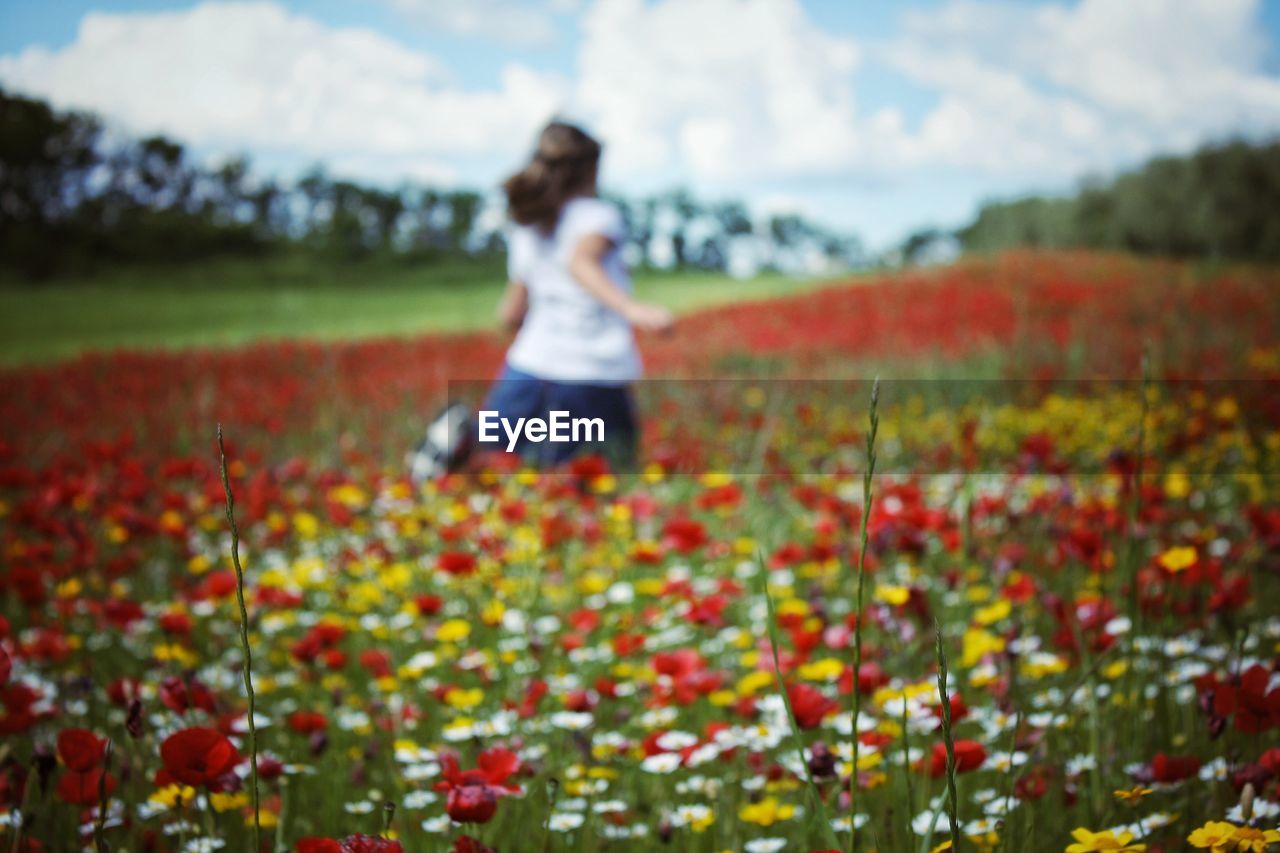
(231, 302)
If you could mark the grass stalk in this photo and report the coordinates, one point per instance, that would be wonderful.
(873, 427)
(100, 822)
(244, 642)
(953, 803)
(23, 817)
(815, 796)
(1132, 684)
(906, 760)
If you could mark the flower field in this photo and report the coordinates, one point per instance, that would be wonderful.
(1085, 564)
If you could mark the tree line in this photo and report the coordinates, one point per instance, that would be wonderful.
(75, 197)
(1220, 202)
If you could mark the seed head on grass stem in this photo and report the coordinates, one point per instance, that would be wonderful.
(244, 641)
(872, 429)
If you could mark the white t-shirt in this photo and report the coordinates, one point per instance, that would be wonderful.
(568, 335)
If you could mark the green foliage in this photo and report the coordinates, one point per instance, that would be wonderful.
(72, 203)
(1222, 202)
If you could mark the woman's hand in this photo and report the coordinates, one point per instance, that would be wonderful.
(649, 318)
(586, 265)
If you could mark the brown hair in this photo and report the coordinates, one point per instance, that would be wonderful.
(563, 166)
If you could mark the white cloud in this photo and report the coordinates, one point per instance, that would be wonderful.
(732, 90)
(721, 89)
(239, 76)
(1057, 89)
(515, 22)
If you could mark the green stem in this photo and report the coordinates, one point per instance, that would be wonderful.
(874, 418)
(953, 805)
(23, 817)
(244, 642)
(1133, 688)
(815, 795)
(99, 845)
(906, 761)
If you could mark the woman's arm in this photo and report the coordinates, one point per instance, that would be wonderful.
(512, 307)
(587, 267)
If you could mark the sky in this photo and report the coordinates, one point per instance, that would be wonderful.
(876, 118)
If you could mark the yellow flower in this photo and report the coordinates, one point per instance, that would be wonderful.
(767, 812)
(463, 699)
(349, 495)
(165, 652)
(1177, 559)
(69, 588)
(1250, 840)
(978, 644)
(1115, 669)
(493, 612)
(227, 802)
(753, 682)
(306, 525)
(1040, 664)
(1222, 837)
(453, 631)
(1107, 840)
(173, 795)
(993, 613)
(827, 669)
(894, 595)
(1133, 795)
(793, 607)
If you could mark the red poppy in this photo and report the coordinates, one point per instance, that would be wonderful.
(684, 535)
(428, 605)
(473, 794)
(376, 662)
(969, 756)
(81, 789)
(306, 722)
(176, 622)
(467, 844)
(198, 756)
(317, 845)
(17, 700)
(80, 749)
(809, 704)
(1256, 708)
(676, 664)
(180, 695)
(471, 804)
(457, 563)
(1173, 768)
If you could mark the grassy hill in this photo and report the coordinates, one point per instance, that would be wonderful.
(293, 295)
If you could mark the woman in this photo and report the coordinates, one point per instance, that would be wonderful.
(569, 302)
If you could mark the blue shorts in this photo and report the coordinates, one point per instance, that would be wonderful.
(516, 394)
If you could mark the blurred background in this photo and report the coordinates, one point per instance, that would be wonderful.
(177, 173)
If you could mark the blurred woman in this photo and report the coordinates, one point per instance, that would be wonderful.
(569, 302)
